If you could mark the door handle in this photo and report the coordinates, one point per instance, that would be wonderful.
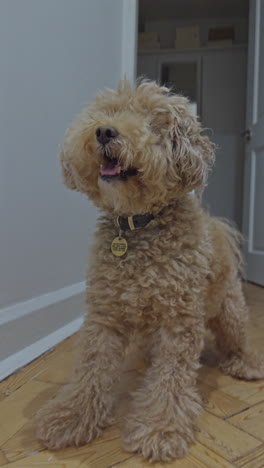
(247, 134)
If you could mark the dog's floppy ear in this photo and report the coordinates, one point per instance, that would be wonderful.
(193, 152)
(72, 157)
(65, 160)
(79, 171)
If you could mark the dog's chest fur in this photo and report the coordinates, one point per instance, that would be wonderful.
(164, 263)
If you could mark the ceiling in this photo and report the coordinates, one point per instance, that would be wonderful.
(161, 9)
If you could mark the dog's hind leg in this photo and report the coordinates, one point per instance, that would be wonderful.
(230, 328)
(83, 407)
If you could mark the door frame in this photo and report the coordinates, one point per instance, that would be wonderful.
(254, 124)
(129, 40)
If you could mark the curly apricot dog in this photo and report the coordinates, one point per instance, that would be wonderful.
(160, 267)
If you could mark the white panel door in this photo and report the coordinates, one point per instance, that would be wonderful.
(253, 210)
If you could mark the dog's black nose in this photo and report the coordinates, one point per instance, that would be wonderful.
(106, 134)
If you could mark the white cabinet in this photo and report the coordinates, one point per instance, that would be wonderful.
(224, 90)
(221, 94)
(223, 110)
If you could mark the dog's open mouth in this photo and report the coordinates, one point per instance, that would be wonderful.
(112, 169)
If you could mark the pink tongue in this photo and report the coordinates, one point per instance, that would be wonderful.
(110, 171)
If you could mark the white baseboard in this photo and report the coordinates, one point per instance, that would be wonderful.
(31, 352)
(20, 309)
(31, 328)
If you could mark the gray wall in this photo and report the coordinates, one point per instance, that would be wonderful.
(55, 55)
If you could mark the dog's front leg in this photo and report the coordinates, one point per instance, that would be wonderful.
(160, 425)
(83, 407)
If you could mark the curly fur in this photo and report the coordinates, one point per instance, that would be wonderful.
(179, 276)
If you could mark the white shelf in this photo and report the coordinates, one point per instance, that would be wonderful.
(187, 51)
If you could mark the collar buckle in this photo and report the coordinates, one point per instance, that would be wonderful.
(131, 223)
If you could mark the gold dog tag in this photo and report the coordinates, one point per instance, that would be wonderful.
(119, 246)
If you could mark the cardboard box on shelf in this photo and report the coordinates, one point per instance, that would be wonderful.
(220, 43)
(148, 45)
(187, 37)
(221, 34)
(148, 40)
(148, 36)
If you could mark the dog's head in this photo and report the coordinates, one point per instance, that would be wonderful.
(135, 150)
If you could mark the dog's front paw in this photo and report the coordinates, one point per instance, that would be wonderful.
(155, 445)
(59, 426)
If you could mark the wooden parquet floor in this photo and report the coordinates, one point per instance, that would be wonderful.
(230, 429)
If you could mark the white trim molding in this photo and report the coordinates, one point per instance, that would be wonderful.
(31, 352)
(30, 328)
(129, 40)
(14, 311)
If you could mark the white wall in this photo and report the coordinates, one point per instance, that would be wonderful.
(55, 55)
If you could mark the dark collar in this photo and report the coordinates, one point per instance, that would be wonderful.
(133, 222)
